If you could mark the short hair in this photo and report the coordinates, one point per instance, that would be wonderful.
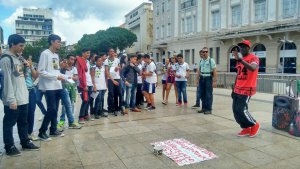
(102, 54)
(85, 50)
(139, 56)
(200, 51)
(146, 56)
(98, 57)
(205, 48)
(108, 49)
(15, 39)
(132, 56)
(53, 38)
(179, 55)
(69, 55)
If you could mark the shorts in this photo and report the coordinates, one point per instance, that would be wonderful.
(149, 87)
(171, 79)
(163, 82)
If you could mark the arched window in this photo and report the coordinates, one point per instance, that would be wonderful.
(288, 57)
(260, 51)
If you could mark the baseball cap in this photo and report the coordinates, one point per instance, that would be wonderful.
(245, 42)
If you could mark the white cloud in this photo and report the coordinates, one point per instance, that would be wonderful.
(72, 18)
(72, 29)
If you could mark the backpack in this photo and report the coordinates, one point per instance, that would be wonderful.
(2, 75)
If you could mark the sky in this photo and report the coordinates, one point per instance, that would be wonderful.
(72, 18)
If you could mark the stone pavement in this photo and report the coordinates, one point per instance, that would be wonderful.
(124, 141)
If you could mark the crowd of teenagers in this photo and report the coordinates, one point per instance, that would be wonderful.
(129, 80)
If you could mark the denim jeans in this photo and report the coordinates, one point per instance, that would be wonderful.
(206, 90)
(67, 107)
(99, 103)
(130, 96)
(31, 110)
(39, 97)
(139, 95)
(85, 105)
(52, 100)
(181, 87)
(114, 98)
(11, 117)
(198, 97)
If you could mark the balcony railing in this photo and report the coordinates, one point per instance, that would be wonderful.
(188, 4)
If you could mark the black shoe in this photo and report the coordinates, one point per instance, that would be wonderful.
(44, 137)
(208, 112)
(115, 113)
(30, 146)
(97, 117)
(56, 134)
(104, 110)
(196, 106)
(201, 111)
(13, 151)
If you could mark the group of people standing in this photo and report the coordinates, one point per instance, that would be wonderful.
(128, 80)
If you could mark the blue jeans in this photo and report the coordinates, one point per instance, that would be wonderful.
(130, 96)
(99, 103)
(31, 110)
(85, 105)
(181, 87)
(52, 100)
(67, 107)
(206, 90)
(198, 98)
(39, 97)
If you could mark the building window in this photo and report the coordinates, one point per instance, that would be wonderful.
(157, 33)
(187, 4)
(260, 51)
(216, 20)
(182, 26)
(236, 15)
(187, 56)
(157, 10)
(162, 31)
(189, 24)
(289, 8)
(168, 5)
(260, 10)
(193, 56)
(211, 52)
(169, 30)
(218, 55)
(163, 7)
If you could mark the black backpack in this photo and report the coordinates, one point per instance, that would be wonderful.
(2, 75)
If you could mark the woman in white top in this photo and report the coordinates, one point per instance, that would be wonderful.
(164, 79)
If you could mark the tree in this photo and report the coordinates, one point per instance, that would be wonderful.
(114, 37)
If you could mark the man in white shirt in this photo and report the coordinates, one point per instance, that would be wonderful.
(112, 71)
(150, 82)
(50, 82)
(181, 76)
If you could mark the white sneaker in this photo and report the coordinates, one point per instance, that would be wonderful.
(32, 137)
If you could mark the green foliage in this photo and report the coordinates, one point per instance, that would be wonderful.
(114, 37)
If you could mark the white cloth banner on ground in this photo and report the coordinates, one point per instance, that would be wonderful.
(184, 152)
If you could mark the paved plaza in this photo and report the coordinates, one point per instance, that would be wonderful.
(124, 141)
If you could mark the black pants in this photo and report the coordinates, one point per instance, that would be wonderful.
(11, 117)
(240, 110)
(52, 100)
(206, 92)
(139, 95)
(84, 109)
(114, 98)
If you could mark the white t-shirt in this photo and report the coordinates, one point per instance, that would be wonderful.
(165, 75)
(100, 80)
(72, 72)
(139, 78)
(181, 70)
(151, 68)
(48, 69)
(88, 75)
(111, 67)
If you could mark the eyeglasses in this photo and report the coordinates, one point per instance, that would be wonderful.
(204, 51)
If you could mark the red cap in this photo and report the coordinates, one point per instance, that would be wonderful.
(245, 42)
